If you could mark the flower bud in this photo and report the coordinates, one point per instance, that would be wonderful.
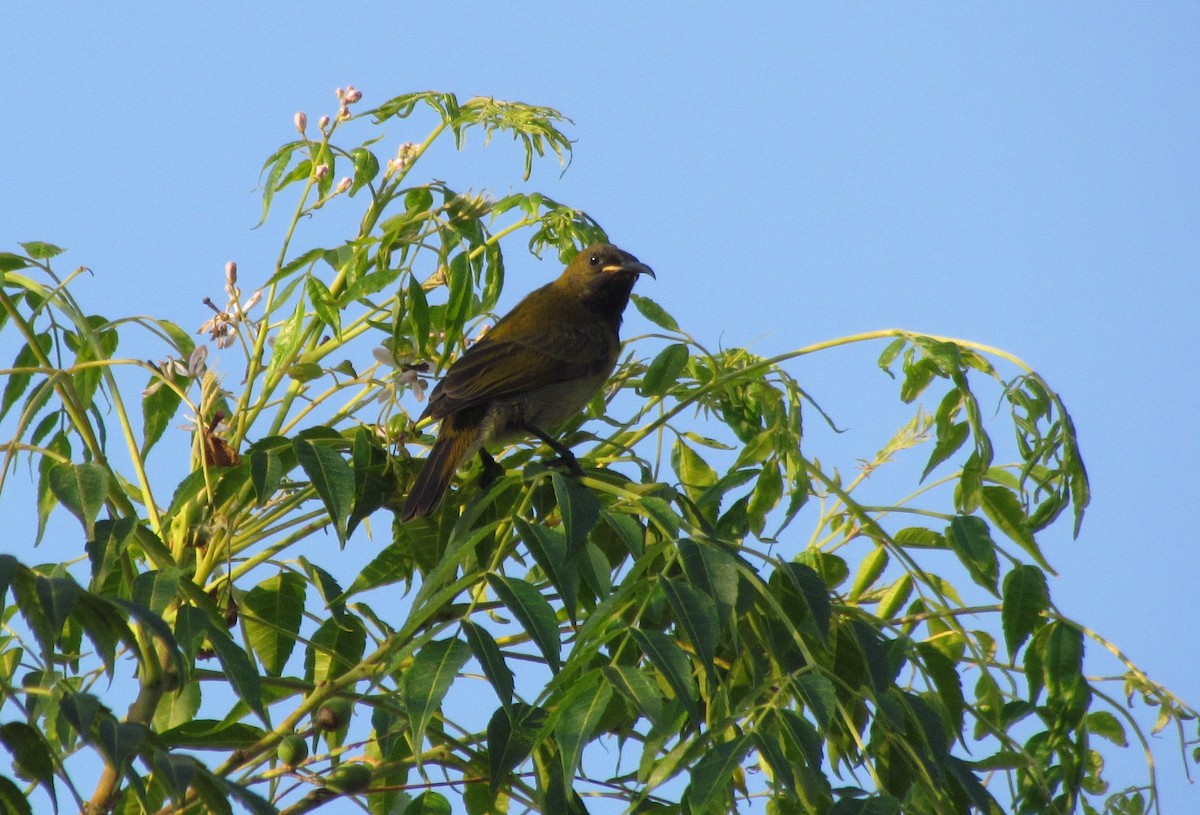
(323, 122)
(351, 95)
(321, 171)
(344, 184)
(231, 274)
(301, 122)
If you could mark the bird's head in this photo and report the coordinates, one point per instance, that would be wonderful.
(602, 276)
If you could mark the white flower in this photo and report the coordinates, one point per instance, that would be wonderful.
(165, 369)
(405, 375)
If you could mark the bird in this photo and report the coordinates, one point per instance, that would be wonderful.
(537, 367)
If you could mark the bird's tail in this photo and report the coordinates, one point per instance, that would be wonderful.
(452, 447)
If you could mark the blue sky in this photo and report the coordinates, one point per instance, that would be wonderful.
(1027, 176)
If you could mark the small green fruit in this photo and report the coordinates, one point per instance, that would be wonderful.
(292, 750)
(333, 715)
(349, 779)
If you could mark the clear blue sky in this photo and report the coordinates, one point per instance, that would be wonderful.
(1025, 175)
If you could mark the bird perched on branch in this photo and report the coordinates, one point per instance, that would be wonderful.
(537, 367)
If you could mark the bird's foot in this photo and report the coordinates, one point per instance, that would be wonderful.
(491, 470)
(566, 459)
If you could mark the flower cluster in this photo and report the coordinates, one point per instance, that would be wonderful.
(404, 156)
(347, 97)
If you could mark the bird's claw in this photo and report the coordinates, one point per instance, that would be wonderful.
(568, 461)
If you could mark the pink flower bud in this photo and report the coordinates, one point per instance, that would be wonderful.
(344, 184)
(321, 171)
(352, 95)
(231, 274)
(323, 122)
(301, 122)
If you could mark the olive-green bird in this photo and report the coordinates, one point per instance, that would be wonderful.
(537, 367)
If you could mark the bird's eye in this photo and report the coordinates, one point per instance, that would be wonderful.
(594, 259)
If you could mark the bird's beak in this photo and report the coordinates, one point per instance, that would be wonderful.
(634, 266)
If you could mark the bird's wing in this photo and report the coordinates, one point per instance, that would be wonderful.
(503, 365)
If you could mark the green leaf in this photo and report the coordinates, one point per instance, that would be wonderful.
(212, 734)
(639, 689)
(287, 341)
(711, 789)
(948, 443)
(57, 597)
(418, 315)
(427, 681)
(663, 372)
(918, 537)
(1107, 726)
(336, 647)
(695, 474)
(655, 313)
(10, 262)
(369, 463)
(331, 477)
(324, 304)
(156, 589)
(969, 538)
(238, 669)
(529, 606)
(266, 472)
(882, 804)
(696, 616)
(32, 756)
(487, 654)
(82, 489)
(159, 407)
(275, 167)
(1004, 510)
(627, 529)
(393, 564)
(549, 549)
(1026, 598)
(17, 382)
(272, 612)
(1062, 659)
(511, 736)
(39, 250)
(765, 497)
(714, 572)
(458, 302)
(120, 741)
(12, 799)
(577, 718)
(579, 508)
(366, 167)
(666, 655)
(832, 568)
(810, 589)
(869, 570)
(890, 353)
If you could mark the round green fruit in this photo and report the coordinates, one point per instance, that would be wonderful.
(292, 750)
(333, 715)
(348, 779)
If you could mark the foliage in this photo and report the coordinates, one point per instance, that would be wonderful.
(656, 636)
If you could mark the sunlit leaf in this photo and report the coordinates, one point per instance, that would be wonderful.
(82, 489)
(535, 614)
(272, 611)
(969, 538)
(1026, 598)
(577, 718)
(428, 679)
(653, 312)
